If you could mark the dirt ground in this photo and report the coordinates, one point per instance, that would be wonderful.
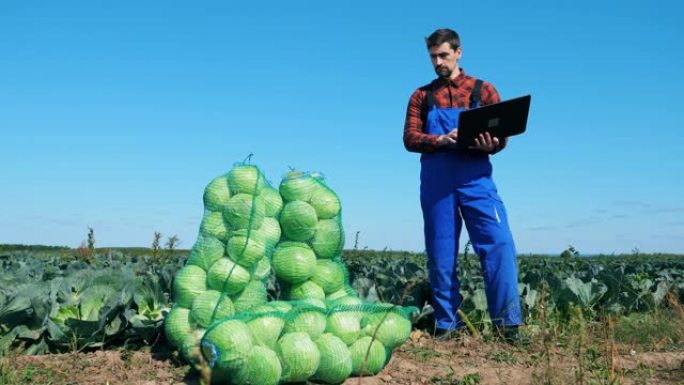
(422, 360)
(425, 360)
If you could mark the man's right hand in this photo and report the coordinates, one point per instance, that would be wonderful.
(448, 141)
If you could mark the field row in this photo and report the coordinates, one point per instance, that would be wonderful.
(62, 303)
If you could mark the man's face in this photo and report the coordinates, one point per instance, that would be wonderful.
(445, 59)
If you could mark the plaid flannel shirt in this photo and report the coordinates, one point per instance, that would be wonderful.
(448, 93)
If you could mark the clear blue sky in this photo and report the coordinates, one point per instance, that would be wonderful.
(115, 115)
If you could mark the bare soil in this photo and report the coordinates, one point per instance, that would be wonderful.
(422, 360)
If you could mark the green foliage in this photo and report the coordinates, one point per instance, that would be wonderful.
(156, 246)
(659, 330)
(452, 379)
(56, 304)
(91, 241)
(570, 252)
(52, 302)
(601, 284)
(172, 244)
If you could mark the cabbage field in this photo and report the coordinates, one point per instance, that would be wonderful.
(267, 295)
(631, 301)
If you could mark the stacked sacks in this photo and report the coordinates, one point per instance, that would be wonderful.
(357, 339)
(307, 261)
(320, 330)
(226, 271)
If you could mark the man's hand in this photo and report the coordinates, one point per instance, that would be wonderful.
(485, 142)
(449, 140)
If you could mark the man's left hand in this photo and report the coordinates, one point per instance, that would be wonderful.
(485, 142)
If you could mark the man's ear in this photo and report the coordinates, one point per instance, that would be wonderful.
(458, 53)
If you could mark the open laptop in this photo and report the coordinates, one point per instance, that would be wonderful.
(502, 119)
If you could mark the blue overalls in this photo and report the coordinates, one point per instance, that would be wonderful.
(456, 185)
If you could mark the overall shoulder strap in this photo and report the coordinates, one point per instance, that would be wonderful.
(476, 95)
(428, 103)
(429, 98)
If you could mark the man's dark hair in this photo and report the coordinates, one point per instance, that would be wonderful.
(441, 36)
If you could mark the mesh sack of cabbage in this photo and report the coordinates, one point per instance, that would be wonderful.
(216, 289)
(229, 263)
(286, 342)
(307, 262)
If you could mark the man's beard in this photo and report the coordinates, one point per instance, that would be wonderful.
(443, 72)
